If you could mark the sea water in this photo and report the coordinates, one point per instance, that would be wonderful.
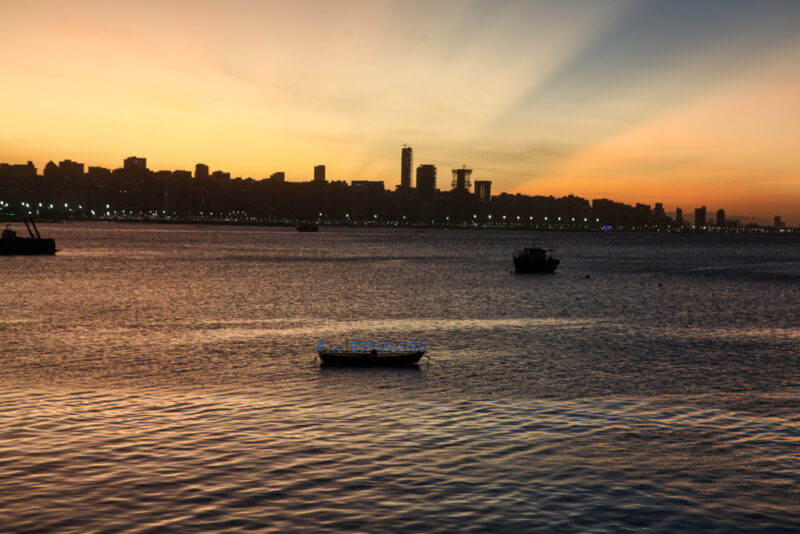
(164, 378)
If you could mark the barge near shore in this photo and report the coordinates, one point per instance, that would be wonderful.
(13, 245)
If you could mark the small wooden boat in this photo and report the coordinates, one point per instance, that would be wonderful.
(372, 358)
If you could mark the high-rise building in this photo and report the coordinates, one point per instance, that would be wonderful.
(70, 167)
(659, 217)
(720, 217)
(483, 190)
(779, 224)
(135, 163)
(71, 174)
(642, 214)
(406, 164)
(319, 174)
(678, 217)
(201, 171)
(426, 181)
(18, 170)
(461, 179)
(700, 217)
(52, 176)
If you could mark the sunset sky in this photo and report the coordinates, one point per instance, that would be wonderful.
(687, 103)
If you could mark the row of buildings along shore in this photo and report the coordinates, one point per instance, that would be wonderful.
(134, 192)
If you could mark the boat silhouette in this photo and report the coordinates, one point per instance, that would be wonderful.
(13, 245)
(372, 358)
(535, 260)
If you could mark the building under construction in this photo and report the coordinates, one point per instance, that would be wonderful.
(462, 179)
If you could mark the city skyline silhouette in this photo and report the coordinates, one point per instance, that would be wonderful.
(70, 190)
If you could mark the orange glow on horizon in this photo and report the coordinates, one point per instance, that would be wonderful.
(538, 97)
(734, 149)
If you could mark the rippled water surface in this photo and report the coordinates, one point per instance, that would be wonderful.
(163, 378)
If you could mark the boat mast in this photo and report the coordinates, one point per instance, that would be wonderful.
(25, 220)
(38, 236)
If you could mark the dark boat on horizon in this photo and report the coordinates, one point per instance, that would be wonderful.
(534, 260)
(13, 245)
(307, 227)
(370, 359)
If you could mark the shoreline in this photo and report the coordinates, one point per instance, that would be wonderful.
(751, 230)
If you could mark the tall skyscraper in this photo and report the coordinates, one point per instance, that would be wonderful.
(319, 174)
(406, 163)
(720, 217)
(678, 217)
(426, 181)
(700, 217)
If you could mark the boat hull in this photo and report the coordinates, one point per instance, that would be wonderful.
(523, 266)
(22, 246)
(369, 359)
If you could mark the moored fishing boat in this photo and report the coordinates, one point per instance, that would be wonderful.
(535, 260)
(12, 245)
(364, 354)
(372, 358)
